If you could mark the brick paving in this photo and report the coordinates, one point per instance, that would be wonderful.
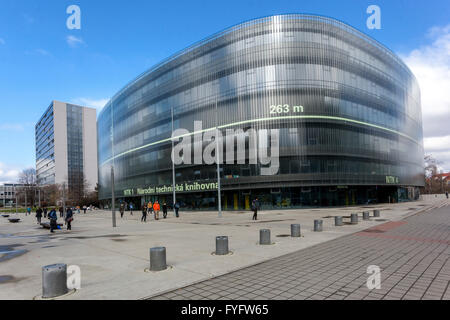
(413, 255)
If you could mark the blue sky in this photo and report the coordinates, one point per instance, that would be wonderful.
(41, 60)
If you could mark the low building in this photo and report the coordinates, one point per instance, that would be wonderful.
(8, 194)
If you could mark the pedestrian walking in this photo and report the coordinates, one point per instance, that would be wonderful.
(131, 208)
(177, 207)
(61, 212)
(156, 208)
(144, 213)
(45, 212)
(164, 210)
(255, 207)
(149, 208)
(28, 211)
(53, 220)
(122, 209)
(84, 209)
(39, 215)
(69, 218)
(446, 194)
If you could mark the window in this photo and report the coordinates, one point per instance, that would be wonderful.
(249, 40)
(305, 163)
(290, 66)
(289, 34)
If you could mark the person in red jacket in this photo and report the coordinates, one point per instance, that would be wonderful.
(156, 208)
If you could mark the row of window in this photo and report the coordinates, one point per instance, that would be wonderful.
(267, 40)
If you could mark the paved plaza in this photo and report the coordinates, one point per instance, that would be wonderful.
(409, 241)
(413, 254)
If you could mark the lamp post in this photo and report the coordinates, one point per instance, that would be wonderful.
(64, 198)
(113, 194)
(15, 196)
(174, 196)
(113, 198)
(219, 199)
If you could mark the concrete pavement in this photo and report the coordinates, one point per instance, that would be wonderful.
(413, 256)
(112, 261)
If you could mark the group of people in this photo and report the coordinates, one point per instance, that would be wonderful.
(149, 208)
(155, 208)
(53, 217)
(122, 208)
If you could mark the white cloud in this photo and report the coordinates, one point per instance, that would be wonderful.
(93, 103)
(11, 127)
(2, 41)
(40, 52)
(43, 52)
(73, 41)
(8, 173)
(439, 147)
(431, 66)
(437, 143)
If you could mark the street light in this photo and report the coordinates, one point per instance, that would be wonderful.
(113, 195)
(174, 199)
(113, 198)
(64, 197)
(15, 196)
(219, 199)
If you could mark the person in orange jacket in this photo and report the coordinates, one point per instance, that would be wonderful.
(156, 208)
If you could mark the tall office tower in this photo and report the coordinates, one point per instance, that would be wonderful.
(66, 147)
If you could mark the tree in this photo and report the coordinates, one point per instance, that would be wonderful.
(27, 192)
(433, 175)
(28, 177)
(78, 189)
(50, 195)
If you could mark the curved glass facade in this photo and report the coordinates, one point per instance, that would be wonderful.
(347, 109)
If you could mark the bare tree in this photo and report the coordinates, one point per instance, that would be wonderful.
(78, 189)
(433, 175)
(28, 177)
(27, 192)
(50, 195)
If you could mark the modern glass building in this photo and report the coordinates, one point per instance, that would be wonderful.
(347, 109)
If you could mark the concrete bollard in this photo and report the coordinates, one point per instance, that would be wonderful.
(264, 236)
(222, 246)
(318, 225)
(54, 280)
(366, 215)
(158, 259)
(295, 230)
(376, 213)
(354, 218)
(338, 221)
